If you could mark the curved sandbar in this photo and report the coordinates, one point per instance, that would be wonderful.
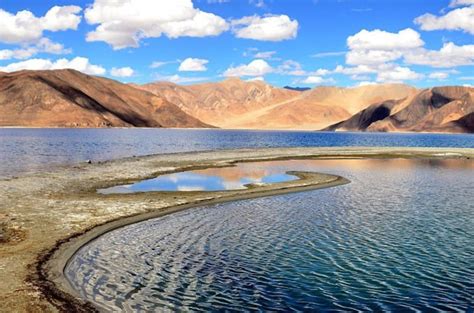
(52, 209)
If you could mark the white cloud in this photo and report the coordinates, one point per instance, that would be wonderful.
(313, 80)
(122, 71)
(264, 54)
(157, 64)
(397, 74)
(368, 57)
(177, 79)
(366, 83)
(382, 40)
(255, 68)
(43, 45)
(193, 65)
(62, 18)
(78, 63)
(24, 27)
(123, 23)
(439, 75)
(267, 28)
(460, 3)
(328, 54)
(357, 70)
(256, 79)
(450, 55)
(458, 19)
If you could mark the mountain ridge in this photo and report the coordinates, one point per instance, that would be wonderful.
(67, 98)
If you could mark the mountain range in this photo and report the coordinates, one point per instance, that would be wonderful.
(67, 98)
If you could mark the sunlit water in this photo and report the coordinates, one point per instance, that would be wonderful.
(399, 237)
(31, 150)
(213, 179)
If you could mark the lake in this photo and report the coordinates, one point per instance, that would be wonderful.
(30, 150)
(399, 237)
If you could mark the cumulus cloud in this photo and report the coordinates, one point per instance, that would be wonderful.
(368, 57)
(397, 74)
(378, 46)
(25, 27)
(460, 3)
(450, 55)
(78, 63)
(458, 19)
(369, 50)
(193, 65)
(177, 79)
(123, 23)
(313, 80)
(43, 45)
(439, 75)
(267, 28)
(255, 68)
(386, 41)
(122, 71)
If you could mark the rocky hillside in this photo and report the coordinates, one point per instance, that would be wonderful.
(67, 98)
(234, 103)
(439, 109)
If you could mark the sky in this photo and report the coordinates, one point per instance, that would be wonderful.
(303, 43)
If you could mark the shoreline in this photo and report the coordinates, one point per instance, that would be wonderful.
(64, 206)
(57, 259)
(290, 130)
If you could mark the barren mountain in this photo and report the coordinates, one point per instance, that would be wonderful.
(443, 109)
(234, 103)
(222, 102)
(67, 98)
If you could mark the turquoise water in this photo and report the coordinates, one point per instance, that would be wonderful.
(399, 237)
(213, 179)
(32, 150)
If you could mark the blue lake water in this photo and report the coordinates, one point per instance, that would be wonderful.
(29, 150)
(399, 238)
(211, 179)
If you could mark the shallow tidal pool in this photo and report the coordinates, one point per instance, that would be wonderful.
(236, 177)
(399, 237)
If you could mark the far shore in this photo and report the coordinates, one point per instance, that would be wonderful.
(237, 129)
(46, 217)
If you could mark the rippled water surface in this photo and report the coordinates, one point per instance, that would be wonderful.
(399, 237)
(212, 179)
(30, 150)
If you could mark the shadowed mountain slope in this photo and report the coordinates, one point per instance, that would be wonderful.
(67, 98)
(439, 109)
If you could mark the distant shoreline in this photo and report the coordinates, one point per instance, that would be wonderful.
(238, 129)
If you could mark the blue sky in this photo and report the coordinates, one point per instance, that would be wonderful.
(298, 42)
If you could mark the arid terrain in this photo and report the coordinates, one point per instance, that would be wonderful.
(67, 98)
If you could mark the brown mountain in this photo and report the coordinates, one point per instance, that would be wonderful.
(234, 103)
(67, 98)
(223, 102)
(439, 109)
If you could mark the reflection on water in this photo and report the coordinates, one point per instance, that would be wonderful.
(213, 179)
(399, 237)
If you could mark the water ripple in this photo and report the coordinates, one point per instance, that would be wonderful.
(400, 241)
